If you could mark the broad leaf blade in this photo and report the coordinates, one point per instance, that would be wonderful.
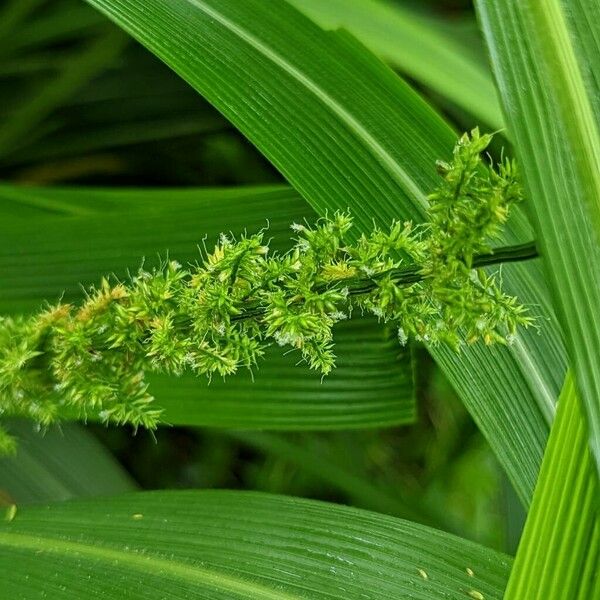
(226, 545)
(348, 133)
(550, 111)
(584, 16)
(42, 258)
(564, 518)
(371, 386)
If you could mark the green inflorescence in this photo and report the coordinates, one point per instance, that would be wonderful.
(218, 316)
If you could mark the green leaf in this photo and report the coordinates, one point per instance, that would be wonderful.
(542, 76)
(418, 46)
(226, 545)
(58, 464)
(22, 202)
(371, 386)
(348, 133)
(45, 256)
(42, 257)
(584, 16)
(564, 518)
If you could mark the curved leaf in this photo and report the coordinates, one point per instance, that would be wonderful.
(549, 96)
(226, 545)
(564, 519)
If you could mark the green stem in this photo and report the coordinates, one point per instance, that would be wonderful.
(414, 273)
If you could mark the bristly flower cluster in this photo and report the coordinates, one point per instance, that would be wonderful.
(220, 315)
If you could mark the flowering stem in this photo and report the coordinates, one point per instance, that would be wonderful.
(414, 273)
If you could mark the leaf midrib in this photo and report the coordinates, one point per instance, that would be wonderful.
(147, 564)
(388, 161)
(543, 393)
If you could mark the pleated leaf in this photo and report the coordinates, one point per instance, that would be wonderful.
(564, 518)
(226, 545)
(348, 133)
(548, 86)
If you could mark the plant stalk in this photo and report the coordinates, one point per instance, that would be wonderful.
(414, 273)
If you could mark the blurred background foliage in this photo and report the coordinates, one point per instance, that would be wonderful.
(82, 104)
